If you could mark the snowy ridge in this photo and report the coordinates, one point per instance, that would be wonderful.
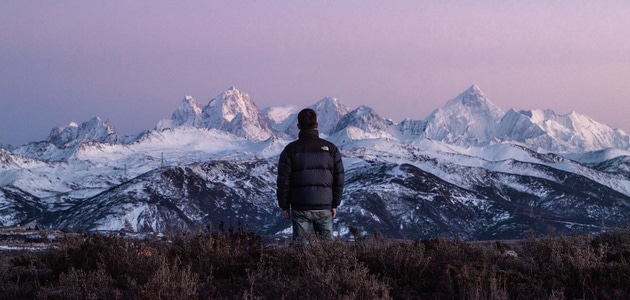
(467, 170)
(281, 117)
(64, 141)
(92, 130)
(546, 130)
(469, 119)
(329, 110)
(362, 123)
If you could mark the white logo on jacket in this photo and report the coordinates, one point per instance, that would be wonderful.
(325, 148)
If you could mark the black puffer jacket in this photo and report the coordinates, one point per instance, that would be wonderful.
(310, 174)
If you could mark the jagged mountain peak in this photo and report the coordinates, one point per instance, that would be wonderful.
(232, 102)
(474, 90)
(571, 120)
(572, 132)
(190, 105)
(364, 122)
(95, 129)
(187, 114)
(330, 103)
(363, 111)
(468, 119)
(234, 111)
(473, 99)
(191, 102)
(398, 182)
(329, 111)
(64, 141)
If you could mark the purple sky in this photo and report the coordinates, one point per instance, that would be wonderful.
(131, 62)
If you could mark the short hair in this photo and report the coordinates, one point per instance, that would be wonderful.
(307, 118)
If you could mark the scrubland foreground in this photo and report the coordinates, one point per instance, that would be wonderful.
(236, 264)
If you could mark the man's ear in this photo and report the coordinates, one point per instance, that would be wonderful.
(316, 124)
(299, 127)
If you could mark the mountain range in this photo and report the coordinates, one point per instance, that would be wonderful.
(468, 170)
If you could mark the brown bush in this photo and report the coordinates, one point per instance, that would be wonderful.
(322, 270)
(171, 281)
(235, 264)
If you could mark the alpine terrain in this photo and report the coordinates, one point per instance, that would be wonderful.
(468, 170)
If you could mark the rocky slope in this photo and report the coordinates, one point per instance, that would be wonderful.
(467, 170)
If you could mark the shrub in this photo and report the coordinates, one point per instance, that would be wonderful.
(235, 264)
(323, 270)
(171, 281)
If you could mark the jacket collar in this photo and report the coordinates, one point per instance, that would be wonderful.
(309, 133)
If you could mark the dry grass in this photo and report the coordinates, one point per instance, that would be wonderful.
(235, 264)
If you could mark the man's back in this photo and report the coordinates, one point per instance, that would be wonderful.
(310, 174)
(310, 180)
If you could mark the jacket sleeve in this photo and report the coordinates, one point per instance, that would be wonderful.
(284, 181)
(338, 179)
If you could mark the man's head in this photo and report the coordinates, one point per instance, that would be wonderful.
(307, 119)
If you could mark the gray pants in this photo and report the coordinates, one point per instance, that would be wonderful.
(307, 221)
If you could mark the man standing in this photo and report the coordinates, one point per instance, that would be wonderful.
(310, 180)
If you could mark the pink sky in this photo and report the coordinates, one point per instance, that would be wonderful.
(131, 62)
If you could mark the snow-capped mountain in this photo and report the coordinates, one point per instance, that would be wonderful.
(363, 123)
(92, 130)
(409, 130)
(470, 119)
(231, 111)
(329, 111)
(187, 114)
(235, 112)
(467, 170)
(548, 131)
(63, 141)
(282, 117)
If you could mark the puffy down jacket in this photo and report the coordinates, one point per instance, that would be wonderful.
(310, 174)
